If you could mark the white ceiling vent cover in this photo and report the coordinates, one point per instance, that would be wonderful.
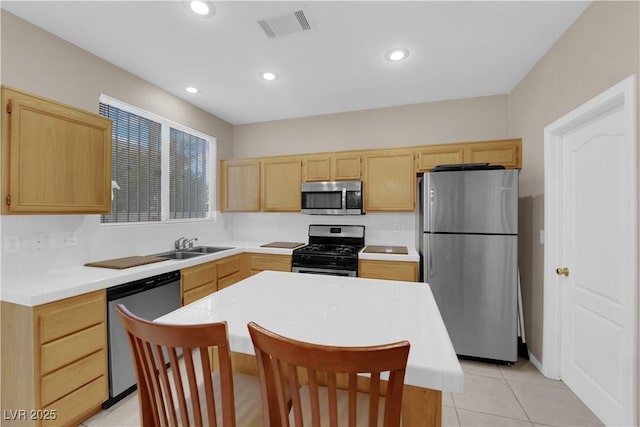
(295, 22)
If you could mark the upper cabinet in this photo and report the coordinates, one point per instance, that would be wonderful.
(240, 185)
(55, 158)
(389, 181)
(281, 180)
(332, 167)
(272, 184)
(506, 152)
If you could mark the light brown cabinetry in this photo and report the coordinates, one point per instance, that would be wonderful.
(240, 186)
(431, 156)
(389, 181)
(231, 270)
(280, 184)
(55, 158)
(198, 281)
(332, 167)
(388, 270)
(506, 152)
(58, 359)
(260, 262)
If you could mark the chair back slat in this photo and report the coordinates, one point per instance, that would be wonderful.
(175, 386)
(309, 366)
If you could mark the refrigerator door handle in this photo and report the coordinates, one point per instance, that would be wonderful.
(429, 250)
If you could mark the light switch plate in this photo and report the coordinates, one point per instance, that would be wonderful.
(38, 243)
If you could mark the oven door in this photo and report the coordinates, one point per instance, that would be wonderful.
(325, 271)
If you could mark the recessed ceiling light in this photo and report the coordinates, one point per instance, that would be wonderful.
(192, 89)
(202, 7)
(270, 76)
(395, 55)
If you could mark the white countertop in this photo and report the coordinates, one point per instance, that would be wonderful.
(338, 311)
(34, 289)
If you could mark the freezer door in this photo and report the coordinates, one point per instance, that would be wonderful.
(474, 282)
(480, 201)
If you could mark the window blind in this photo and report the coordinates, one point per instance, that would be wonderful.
(136, 167)
(188, 175)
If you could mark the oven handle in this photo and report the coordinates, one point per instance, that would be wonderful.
(327, 271)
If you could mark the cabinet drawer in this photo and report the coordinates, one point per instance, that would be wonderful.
(71, 377)
(229, 280)
(197, 293)
(388, 270)
(74, 314)
(229, 266)
(199, 275)
(262, 262)
(65, 350)
(75, 407)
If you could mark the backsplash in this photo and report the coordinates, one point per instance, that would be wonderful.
(73, 240)
(69, 241)
(380, 228)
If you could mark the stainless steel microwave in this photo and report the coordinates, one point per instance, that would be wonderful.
(332, 198)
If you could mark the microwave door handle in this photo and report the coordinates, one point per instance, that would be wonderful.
(344, 200)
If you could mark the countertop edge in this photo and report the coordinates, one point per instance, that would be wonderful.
(43, 288)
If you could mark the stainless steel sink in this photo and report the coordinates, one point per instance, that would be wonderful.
(208, 249)
(180, 254)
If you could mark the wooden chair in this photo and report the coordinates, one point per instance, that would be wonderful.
(184, 392)
(293, 368)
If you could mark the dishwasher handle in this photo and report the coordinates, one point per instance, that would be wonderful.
(132, 288)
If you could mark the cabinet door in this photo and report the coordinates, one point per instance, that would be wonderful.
(506, 152)
(58, 158)
(240, 186)
(346, 167)
(388, 270)
(273, 262)
(198, 281)
(389, 181)
(281, 179)
(317, 168)
(432, 156)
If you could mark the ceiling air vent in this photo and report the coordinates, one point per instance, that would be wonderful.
(295, 22)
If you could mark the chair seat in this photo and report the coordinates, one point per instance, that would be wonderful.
(362, 402)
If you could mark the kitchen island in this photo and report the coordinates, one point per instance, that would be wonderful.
(343, 312)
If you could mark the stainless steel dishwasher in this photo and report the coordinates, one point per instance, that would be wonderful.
(148, 298)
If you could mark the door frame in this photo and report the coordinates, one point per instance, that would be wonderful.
(622, 94)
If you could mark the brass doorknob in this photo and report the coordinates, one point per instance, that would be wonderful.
(562, 271)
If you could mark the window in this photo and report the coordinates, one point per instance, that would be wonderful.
(163, 171)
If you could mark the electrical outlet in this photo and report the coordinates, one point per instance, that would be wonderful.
(39, 242)
(542, 237)
(70, 239)
(12, 243)
(396, 228)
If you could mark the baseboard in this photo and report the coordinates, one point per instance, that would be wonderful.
(535, 362)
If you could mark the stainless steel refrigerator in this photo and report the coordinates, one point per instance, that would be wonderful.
(468, 244)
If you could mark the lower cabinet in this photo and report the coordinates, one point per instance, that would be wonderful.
(231, 270)
(388, 270)
(62, 347)
(198, 281)
(261, 262)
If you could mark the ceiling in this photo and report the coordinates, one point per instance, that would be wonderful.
(457, 50)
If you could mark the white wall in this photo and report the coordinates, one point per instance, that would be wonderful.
(39, 62)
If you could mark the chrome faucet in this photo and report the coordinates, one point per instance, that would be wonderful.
(180, 244)
(184, 243)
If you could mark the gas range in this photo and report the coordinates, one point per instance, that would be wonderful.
(332, 249)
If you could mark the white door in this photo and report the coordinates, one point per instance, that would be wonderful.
(593, 215)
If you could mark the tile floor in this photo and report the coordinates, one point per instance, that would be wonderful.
(494, 396)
